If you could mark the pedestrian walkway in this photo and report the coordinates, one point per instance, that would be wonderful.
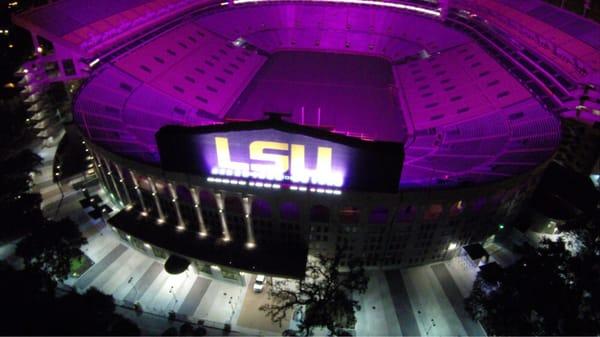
(403, 308)
(253, 318)
(425, 300)
(378, 314)
(418, 301)
(428, 301)
(456, 299)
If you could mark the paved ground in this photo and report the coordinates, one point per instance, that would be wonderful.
(418, 301)
(253, 318)
(456, 299)
(428, 300)
(377, 316)
(425, 300)
(401, 303)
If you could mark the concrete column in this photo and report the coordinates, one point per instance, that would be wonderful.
(175, 201)
(161, 214)
(444, 7)
(220, 198)
(247, 204)
(100, 171)
(136, 186)
(122, 181)
(35, 41)
(198, 210)
(114, 182)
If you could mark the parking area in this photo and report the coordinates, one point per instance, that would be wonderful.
(253, 318)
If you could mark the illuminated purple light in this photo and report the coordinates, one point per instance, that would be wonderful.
(355, 2)
(425, 164)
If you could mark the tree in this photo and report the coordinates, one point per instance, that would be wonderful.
(25, 294)
(51, 247)
(89, 314)
(124, 327)
(186, 329)
(325, 292)
(15, 177)
(552, 290)
(20, 164)
(19, 207)
(21, 214)
(32, 307)
(171, 331)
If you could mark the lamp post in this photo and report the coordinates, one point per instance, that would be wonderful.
(587, 5)
(134, 288)
(57, 175)
(174, 297)
(232, 309)
(430, 326)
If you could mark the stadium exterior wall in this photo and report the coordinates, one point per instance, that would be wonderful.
(386, 230)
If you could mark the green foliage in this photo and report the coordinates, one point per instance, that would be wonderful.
(325, 292)
(51, 247)
(80, 265)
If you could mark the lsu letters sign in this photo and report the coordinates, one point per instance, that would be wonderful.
(274, 148)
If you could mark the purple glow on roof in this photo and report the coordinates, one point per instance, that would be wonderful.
(463, 116)
(348, 94)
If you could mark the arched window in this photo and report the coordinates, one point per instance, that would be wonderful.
(378, 215)
(457, 208)
(144, 183)
(261, 208)
(289, 211)
(478, 204)
(496, 200)
(349, 215)
(319, 213)
(233, 205)
(184, 194)
(433, 212)
(406, 213)
(207, 199)
(162, 189)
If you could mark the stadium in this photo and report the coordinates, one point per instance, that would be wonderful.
(244, 136)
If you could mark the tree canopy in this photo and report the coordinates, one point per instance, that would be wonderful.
(34, 306)
(553, 290)
(325, 293)
(51, 246)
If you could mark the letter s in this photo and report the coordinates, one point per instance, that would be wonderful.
(280, 162)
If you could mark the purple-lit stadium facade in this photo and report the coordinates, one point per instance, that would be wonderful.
(408, 128)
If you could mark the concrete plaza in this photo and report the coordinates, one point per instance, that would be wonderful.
(419, 301)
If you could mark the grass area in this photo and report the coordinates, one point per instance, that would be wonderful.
(80, 265)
